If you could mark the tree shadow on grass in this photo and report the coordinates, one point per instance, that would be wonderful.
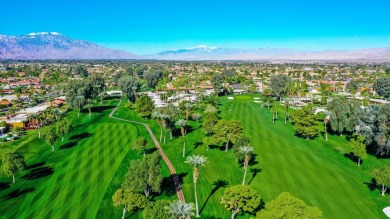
(68, 145)
(168, 185)
(352, 157)
(217, 185)
(4, 186)
(254, 172)
(150, 150)
(372, 185)
(32, 166)
(18, 192)
(196, 145)
(39, 172)
(98, 109)
(80, 136)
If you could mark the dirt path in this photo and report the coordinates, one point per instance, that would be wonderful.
(165, 158)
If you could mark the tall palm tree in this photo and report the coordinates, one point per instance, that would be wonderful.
(80, 101)
(247, 151)
(196, 161)
(180, 209)
(157, 116)
(182, 123)
(89, 106)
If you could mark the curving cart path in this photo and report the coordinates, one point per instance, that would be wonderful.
(165, 158)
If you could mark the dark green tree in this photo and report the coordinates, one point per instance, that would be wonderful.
(141, 144)
(152, 78)
(279, 85)
(382, 86)
(144, 106)
(217, 81)
(130, 86)
(227, 131)
(305, 122)
(144, 175)
(82, 71)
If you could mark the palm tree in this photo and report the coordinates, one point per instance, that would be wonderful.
(187, 107)
(157, 115)
(247, 151)
(196, 161)
(89, 106)
(182, 123)
(180, 209)
(80, 100)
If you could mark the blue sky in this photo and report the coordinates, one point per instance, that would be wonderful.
(147, 27)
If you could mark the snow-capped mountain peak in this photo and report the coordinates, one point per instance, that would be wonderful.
(201, 47)
(44, 33)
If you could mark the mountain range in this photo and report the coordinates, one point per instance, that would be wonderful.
(53, 45)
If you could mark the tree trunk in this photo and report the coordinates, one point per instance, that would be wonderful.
(89, 116)
(62, 137)
(161, 131)
(196, 201)
(184, 147)
(276, 114)
(234, 214)
(285, 120)
(227, 146)
(144, 153)
(52, 148)
(147, 192)
(39, 132)
(383, 189)
(78, 113)
(273, 117)
(124, 212)
(245, 169)
(358, 161)
(13, 178)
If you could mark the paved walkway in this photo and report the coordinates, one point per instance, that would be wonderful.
(165, 158)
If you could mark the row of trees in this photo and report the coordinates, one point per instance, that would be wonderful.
(81, 93)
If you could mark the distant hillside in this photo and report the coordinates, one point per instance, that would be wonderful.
(272, 54)
(45, 45)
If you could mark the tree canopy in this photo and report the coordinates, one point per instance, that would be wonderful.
(130, 86)
(11, 163)
(240, 198)
(382, 177)
(279, 85)
(287, 206)
(226, 131)
(144, 106)
(305, 122)
(156, 210)
(144, 175)
(382, 86)
(358, 148)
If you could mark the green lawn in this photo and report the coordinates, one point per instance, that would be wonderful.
(79, 180)
(312, 170)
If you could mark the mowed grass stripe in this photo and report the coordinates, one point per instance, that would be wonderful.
(292, 168)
